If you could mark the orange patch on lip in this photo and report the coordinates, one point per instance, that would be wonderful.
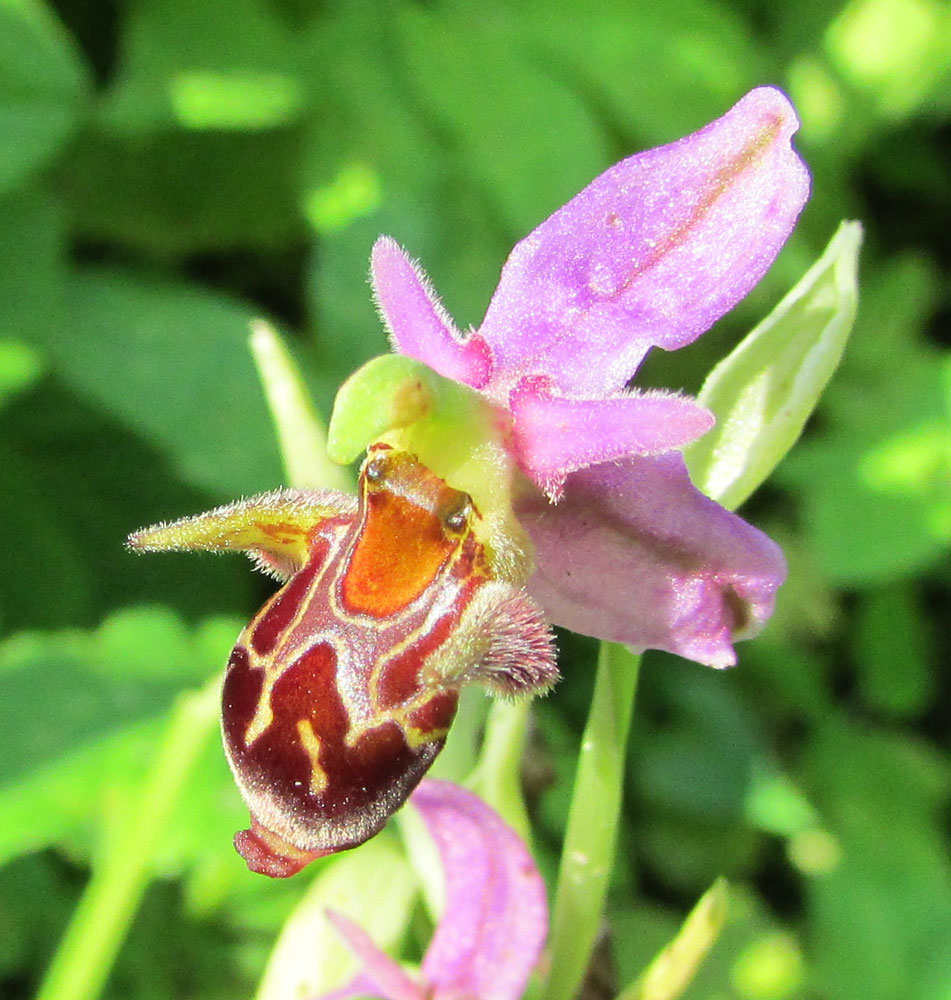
(401, 549)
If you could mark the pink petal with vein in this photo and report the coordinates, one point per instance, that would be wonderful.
(634, 553)
(651, 253)
(418, 324)
(496, 918)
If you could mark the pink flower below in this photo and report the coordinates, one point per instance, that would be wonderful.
(650, 254)
(492, 930)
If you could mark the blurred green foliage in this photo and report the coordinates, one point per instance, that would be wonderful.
(170, 169)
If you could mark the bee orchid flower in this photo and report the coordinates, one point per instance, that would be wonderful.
(512, 480)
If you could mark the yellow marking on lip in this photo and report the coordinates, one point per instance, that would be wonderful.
(277, 659)
(263, 715)
(310, 741)
(416, 738)
(273, 671)
(280, 657)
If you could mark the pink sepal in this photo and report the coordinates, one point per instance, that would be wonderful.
(496, 918)
(490, 935)
(634, 553)
(650, 253)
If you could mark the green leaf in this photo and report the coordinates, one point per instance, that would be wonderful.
(43, 87)
(237, 99)
(82, 710)
(347, 328)
(898, 52)
(99, 924)
(309, 957)
(525, 137)
(64, 802)
(32, 264)
(894, 651)
(769, 968)
(35, 902)
(31, 523)
(20, 367)
(692, 58)
(170, 194)
(884, 797)
(302, 435)
(375, 158)
(696, 758)
(764, 391)
(75, 483)
(205, 66)
(179, 373)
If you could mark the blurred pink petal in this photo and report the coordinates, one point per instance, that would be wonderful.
(634, 553)
(496, 918)
(418, 324)
(651, 253)
(555, 436)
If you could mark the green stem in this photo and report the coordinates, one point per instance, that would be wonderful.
(99, 924)
(498, 777)
(588, 852)
(463, 746)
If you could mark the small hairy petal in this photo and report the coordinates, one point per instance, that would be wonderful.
(651, 253)
(555, 436)
(502, 640)
(520, 658)
(495, 921)
(634, 553)
(418, 324)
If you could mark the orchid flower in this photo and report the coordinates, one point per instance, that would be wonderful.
(495, 917)
(650, 254)
(512, 480)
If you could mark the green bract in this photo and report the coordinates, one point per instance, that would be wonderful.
(764, 391)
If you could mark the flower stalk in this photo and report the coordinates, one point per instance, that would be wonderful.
(587, 856)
